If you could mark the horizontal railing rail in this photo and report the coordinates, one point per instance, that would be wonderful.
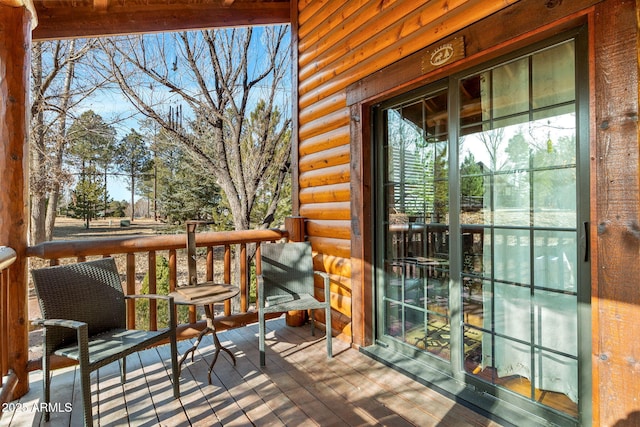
(220, 247)
(8, 379)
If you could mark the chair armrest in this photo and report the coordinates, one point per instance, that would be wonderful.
(82, 335)
(72, 324)
(326, 284)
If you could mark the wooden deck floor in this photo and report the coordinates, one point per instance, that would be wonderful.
(298, 387)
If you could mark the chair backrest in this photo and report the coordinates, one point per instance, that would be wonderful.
(287, 268)
(89, 292)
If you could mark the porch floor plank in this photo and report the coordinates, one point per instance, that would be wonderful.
(298, 386)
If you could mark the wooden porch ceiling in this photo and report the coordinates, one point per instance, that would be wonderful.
(59, 19)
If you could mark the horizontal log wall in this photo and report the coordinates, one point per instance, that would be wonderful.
(340, 43)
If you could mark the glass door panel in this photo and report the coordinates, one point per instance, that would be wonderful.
(518, 216)
(503, 314)
(416, 233)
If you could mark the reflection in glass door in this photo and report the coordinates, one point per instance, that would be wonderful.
(518, 189)
(416, 210)
(504, 314)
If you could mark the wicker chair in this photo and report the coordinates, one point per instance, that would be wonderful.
(286, 283)
(84, 319)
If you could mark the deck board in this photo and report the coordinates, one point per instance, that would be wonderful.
(298, 386)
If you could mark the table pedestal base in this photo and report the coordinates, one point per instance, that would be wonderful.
(210, 328)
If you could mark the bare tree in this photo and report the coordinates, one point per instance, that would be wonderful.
(219, 77)
(56, 90)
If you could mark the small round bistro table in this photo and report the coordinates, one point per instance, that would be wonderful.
(205, 294)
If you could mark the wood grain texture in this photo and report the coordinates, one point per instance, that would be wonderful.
(333, 265)
(616, 298)
(327, 211)
(323, 124)
(327, 228)
(299, 387)
(331, 157)
(327, 176)
(15, 39)
(325, 194)
(63, 19)
(326, 140)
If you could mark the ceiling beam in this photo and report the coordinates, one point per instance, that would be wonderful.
(60, 19)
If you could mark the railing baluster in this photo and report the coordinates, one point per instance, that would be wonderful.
(258, 262)
(173, 274)
(153, 288)
(210, 264)
(243, 278)
(173, 270)
(7, 258)
(131, 289)
(227, 276)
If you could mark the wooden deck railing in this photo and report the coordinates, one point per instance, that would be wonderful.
(219, 246)
(7, 378)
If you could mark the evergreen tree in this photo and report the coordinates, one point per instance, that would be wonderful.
(187, 191)
(91, 140)
(133, 159)
(471, 183)
(88, 197)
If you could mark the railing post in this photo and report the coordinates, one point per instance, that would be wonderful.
(15, 44)
(295, 227)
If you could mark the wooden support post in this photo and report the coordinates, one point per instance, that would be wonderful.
(295, 227)
(15, 43)
(615, 244)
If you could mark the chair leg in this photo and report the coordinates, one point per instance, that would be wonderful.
(313, 323)
(85, 387)
(46, 384)
(83, 366)
(261, 333)
(327, 322)
(123, 370)
(175, 370)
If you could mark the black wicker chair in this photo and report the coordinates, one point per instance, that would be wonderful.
(286, 283)
(84, 319)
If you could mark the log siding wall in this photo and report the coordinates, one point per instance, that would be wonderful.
(340, 43)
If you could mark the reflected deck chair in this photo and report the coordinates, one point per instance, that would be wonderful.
(286, 284)
(84, 319)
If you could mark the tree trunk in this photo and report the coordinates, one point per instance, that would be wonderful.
(37, 158)
(52, 208)
(133, 186)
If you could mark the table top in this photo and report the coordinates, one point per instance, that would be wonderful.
(204, 293)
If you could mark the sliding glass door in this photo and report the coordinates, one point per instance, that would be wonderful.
(415, 219)
(481, 227)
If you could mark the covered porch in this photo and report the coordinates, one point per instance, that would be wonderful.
(299, 386)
